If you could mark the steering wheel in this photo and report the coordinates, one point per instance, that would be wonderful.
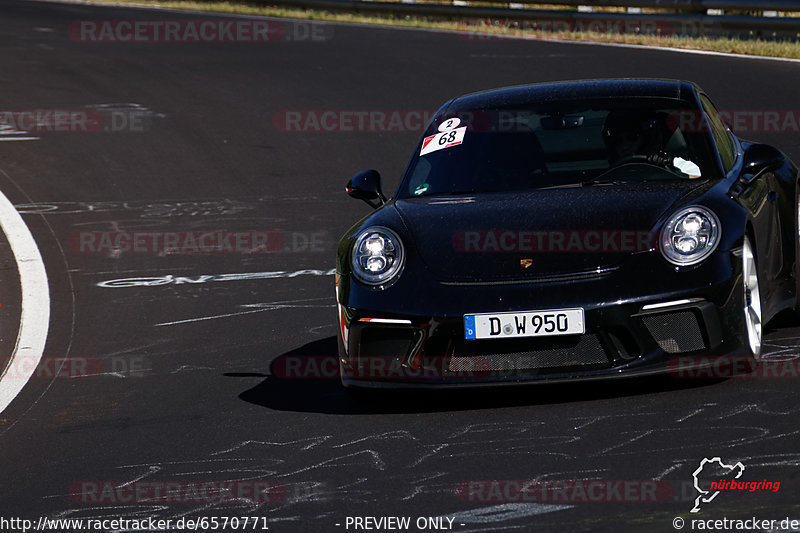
(658, 159)
(633, 158)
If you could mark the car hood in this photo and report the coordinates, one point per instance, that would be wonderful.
(540, 233)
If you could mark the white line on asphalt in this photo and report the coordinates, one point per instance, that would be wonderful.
(35, 315)
(260, 307)
(505, 511)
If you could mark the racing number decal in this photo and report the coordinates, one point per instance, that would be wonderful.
(446, 139)
(449, 124)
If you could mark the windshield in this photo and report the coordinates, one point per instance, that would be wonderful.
(563, 144)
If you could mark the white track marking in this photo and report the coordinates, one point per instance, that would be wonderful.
(35, 315)
(260, 307)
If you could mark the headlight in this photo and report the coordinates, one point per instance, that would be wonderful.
(378, 256)
(690, 235)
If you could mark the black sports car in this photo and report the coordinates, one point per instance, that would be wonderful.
(587, 229)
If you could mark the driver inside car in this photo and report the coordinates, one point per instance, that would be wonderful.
(634, 135)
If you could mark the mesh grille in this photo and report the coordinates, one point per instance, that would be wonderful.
(379, 342)
(528, 354)
(675, 332)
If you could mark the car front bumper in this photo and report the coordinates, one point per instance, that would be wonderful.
(634, 327)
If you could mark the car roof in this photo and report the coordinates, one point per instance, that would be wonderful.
(577, 90)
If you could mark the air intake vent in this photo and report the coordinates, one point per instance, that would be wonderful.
(528, 354)
(675, 332)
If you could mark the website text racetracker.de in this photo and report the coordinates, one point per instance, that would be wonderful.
(195, 242)
(749, 524)
(352, 121)
(205, 523)
(24, 367)
(51, 120)
(176, 492)
(569, 490)
(41, 121)
(376, 367)
(507, 121)
(196, 31)
(579, 241)
(723, 367)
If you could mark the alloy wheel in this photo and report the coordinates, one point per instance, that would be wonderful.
(752, 299)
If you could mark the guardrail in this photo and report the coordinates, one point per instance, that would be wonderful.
(693, 18)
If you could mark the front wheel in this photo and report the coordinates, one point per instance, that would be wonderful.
(752, 300)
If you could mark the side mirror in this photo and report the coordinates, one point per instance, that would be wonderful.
(366, 185)
(762, 157)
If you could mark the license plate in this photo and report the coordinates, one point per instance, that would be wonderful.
(524, 324)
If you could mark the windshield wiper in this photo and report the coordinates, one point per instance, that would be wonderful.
(465, 191)
(615, 181)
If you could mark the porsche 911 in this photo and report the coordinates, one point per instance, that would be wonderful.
(567, 231)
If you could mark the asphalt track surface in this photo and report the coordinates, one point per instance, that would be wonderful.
(169, 381)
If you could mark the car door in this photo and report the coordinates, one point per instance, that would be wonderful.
(759, 194)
